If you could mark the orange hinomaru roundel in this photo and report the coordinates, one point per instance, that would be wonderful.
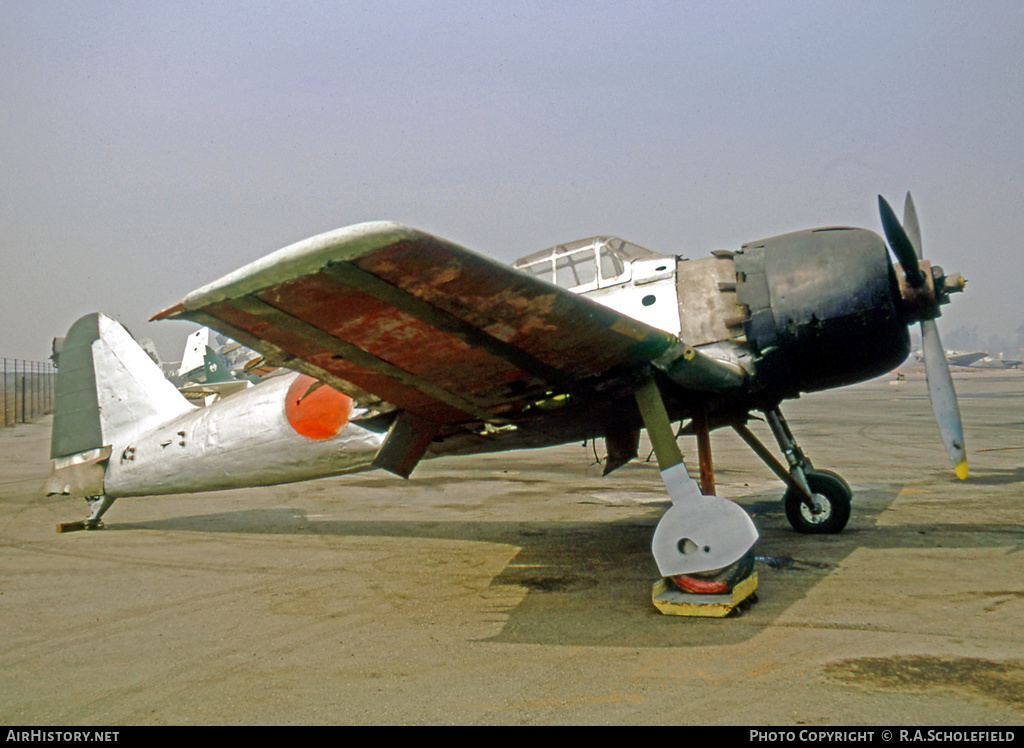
(316, 410)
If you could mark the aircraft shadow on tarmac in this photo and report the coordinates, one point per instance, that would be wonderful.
(588, 583)
(998, 476)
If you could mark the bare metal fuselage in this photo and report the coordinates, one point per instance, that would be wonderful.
(242, 440)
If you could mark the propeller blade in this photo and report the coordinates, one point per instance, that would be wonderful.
(911, 226)
(900, 244)
(943, 396)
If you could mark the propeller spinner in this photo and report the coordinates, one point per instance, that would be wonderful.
(926, 288)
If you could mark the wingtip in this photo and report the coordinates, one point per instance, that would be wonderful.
(961, 470)
(170, 311)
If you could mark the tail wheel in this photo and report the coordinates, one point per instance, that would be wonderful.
(831, 511)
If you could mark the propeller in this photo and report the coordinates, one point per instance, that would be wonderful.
(902, 246)
(905, 242)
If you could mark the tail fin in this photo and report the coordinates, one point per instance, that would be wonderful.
(192, 357)
(108, 389)
(215, 367)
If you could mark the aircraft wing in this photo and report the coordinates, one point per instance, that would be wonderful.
(400, 319)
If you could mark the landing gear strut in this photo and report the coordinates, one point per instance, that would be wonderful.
(703, 543)
(817, 501)
(699, 533)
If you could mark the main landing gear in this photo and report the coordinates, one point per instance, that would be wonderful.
(703, 543)
(816, 501)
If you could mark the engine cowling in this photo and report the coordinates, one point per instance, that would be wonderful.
(823, 309)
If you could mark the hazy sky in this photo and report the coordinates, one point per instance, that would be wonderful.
(147, 148)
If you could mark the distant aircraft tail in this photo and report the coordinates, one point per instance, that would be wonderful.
(108, 389)
(192, 358)
(216, 367)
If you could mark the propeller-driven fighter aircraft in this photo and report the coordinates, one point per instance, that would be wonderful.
(395, 345)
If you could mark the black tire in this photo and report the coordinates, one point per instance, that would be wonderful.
(837, 476)
(833, 496)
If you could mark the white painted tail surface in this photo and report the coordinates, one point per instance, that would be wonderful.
(108, 389)
(193, 356)
(133, 394)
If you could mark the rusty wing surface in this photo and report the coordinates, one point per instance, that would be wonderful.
(401, 319)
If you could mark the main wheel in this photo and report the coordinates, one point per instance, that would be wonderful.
(718, 581)
(831, 512)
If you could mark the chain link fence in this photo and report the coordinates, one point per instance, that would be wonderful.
(28, 390)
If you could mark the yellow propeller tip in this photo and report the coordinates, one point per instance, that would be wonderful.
(961, 470)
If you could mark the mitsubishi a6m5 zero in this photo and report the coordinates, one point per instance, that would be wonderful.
(395, 345)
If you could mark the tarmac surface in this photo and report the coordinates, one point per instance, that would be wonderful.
(515, 589)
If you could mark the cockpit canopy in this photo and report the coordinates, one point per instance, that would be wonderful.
(584, 264)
